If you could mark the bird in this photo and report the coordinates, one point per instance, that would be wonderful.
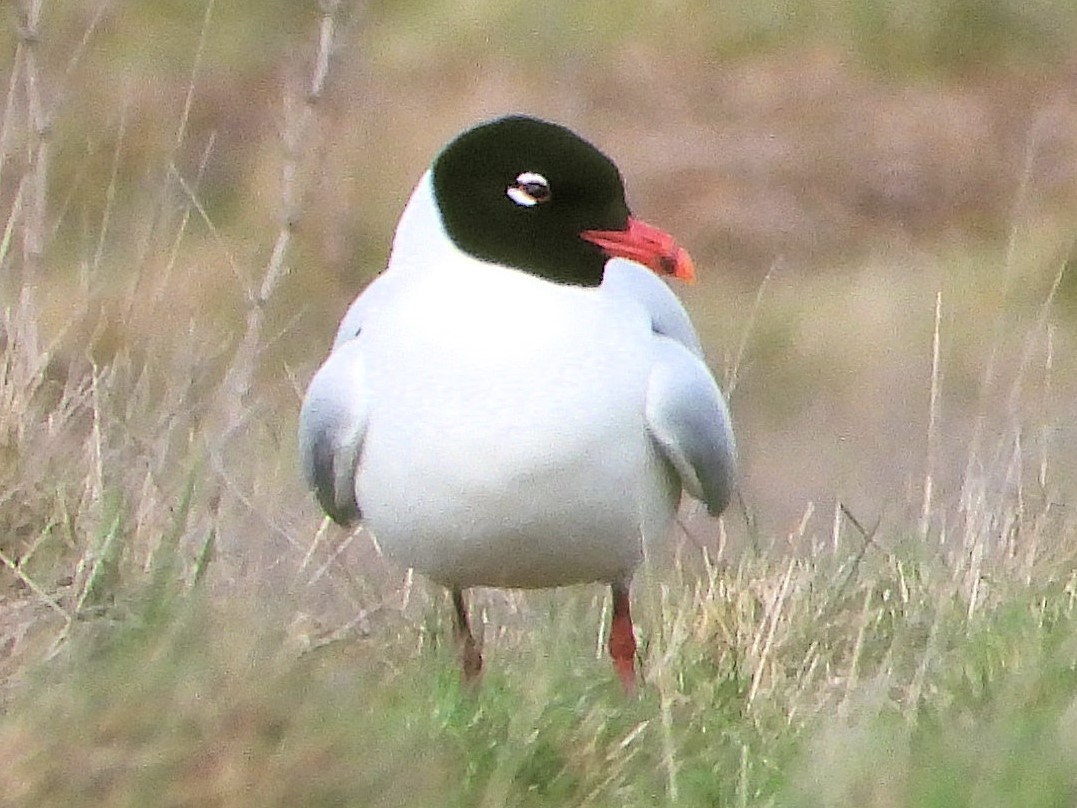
(519, 399)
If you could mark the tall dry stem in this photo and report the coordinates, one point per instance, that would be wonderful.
(932, 425)
(298, 121)
(38, 149)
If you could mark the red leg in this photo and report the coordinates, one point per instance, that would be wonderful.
(470, 653)
(622, 639)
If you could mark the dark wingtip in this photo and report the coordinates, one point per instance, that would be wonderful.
(718, 508)
(345, 513)
(721, 496)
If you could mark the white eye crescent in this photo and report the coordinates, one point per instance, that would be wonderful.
(529, 189)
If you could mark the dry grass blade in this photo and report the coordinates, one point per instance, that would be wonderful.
(296, 133)
(733, 372)
(36, 588)
(932, 424)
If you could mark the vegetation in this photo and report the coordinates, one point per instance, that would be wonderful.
(880, 197)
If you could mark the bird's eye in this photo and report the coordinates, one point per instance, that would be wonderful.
(529, 189)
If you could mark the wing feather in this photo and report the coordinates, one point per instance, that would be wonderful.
(332, 424)
(688, 418)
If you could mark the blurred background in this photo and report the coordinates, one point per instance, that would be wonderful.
(881, 200)
(880, 197)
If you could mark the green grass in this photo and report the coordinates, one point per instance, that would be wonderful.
(179, 627)
(822, 681)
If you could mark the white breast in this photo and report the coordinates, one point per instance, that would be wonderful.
(506, 442)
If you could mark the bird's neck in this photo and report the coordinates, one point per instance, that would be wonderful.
(420, 240)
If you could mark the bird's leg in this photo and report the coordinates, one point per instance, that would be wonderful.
(470, 653)
(622, 639)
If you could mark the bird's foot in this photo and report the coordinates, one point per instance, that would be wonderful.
(471, 660)
(623, 641)
(470, 649)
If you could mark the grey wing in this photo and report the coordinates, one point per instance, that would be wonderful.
(377, 293)
(668, 316)
(332, 424)
(688, 418)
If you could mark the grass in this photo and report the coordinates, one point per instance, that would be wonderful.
(830, 680)
(886, 618)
